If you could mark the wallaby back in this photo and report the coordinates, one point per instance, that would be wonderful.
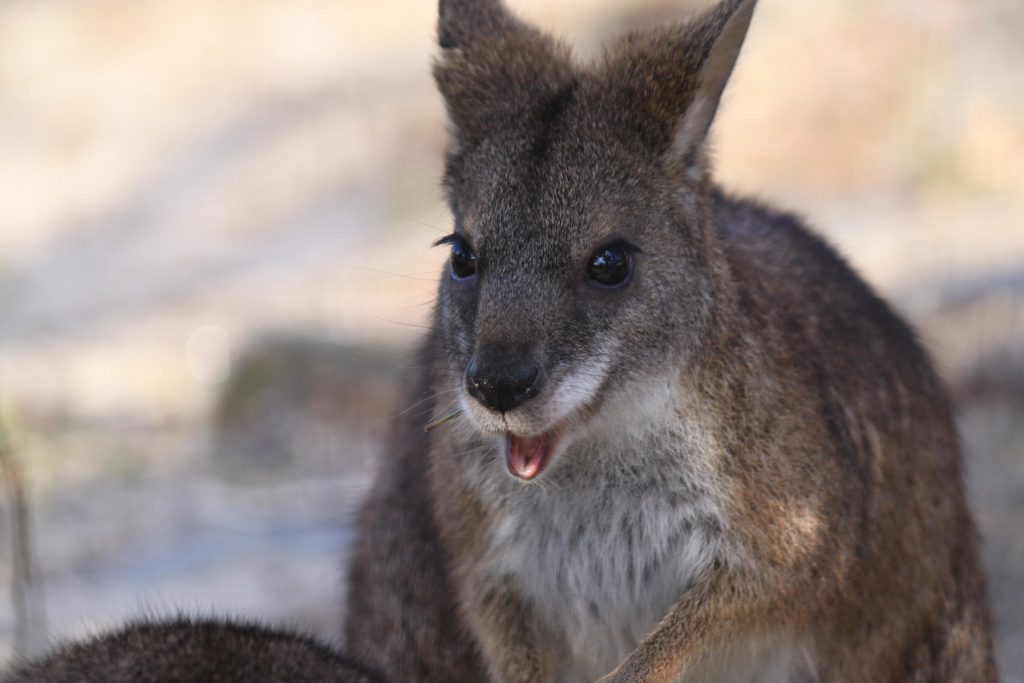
(193, 651)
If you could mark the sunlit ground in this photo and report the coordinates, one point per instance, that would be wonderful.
(199, 201)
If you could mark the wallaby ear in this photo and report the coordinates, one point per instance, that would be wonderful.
(494, 68)
(674, 78)
(461, 22)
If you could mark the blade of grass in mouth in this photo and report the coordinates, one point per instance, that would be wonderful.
(447, 417)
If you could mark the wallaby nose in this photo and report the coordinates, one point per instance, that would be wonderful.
(503, 378)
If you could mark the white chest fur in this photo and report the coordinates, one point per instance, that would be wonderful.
(613, 534)
(607, 541)
(601, 572)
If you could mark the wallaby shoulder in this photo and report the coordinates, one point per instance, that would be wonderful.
(784, 270)
(401, 614)
(868, 427)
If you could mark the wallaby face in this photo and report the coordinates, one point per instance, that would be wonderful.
(567, 297)
(730, 460)
(580, 258)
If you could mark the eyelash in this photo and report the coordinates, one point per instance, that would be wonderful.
(450, 239)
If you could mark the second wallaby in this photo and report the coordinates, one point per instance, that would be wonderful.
(687, 441)
(187, 650)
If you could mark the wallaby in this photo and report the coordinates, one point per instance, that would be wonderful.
(193, 651)
(685, 440)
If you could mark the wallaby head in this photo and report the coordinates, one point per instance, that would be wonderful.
(582, 259)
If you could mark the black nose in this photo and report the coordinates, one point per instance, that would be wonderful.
(503, 378)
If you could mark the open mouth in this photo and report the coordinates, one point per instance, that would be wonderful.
(527, 456)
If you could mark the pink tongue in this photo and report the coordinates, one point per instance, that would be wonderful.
(526, 455)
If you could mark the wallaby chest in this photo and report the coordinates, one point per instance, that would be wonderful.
(604, 548)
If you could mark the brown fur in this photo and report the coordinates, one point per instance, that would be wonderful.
(401, 610)
(193, 651)
(823, 435)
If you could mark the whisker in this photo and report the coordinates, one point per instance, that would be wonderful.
(422, 276)
(420, 402)
(399, 322)
(424, 224)
(431, 300)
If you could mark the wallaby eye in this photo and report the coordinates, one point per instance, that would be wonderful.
(611, 266)
(462, 259)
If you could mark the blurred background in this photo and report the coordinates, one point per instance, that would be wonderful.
(214, 228)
